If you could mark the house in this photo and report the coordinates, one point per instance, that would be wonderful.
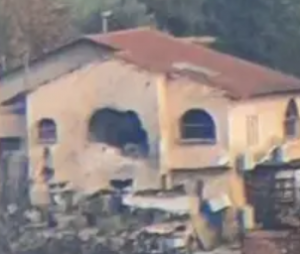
(145, 103)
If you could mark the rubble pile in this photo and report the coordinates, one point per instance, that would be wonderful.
(96, 223)
(89, 241)
(60, 243)
(115, 221)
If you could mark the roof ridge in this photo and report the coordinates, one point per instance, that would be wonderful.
(123, 31)
(257, 77)
(228, 56)
(257, 66)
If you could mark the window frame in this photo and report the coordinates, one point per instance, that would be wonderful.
(47, 135)
(201, 127)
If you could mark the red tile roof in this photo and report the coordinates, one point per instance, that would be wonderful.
(157, 51)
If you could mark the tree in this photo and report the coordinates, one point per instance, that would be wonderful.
(264, 31)
(125, 14)
(180, 17)
(5, 50)
(32, 27)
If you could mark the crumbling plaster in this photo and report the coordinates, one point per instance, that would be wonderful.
(159, 101)
(270, 112)
(181, 161)
(71, 100)
(50, 67)
(177, 97)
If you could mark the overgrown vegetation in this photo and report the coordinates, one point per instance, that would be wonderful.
(30, 28)
(86, 15)
(264, 31)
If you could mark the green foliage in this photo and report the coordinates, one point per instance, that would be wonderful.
(4, 32)
(32, 27)
(180, 17)
(264, 31)
(125, 14)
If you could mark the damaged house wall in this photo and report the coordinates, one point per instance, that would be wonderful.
(16, 84)
(197, 159)
(53, 65)
(180, 96)
(256, 127)
(120, 129)
(238, 128)
(72, 102)
(250, 132)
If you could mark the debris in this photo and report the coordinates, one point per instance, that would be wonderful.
(171, 204)
(219, 203)
(33, 215)
(271, 242)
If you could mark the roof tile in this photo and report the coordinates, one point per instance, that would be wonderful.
(158, 51)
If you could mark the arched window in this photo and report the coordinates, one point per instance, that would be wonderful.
(291, 122)
(47, 133)
(197, 124)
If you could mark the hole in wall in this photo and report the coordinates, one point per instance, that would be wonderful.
(120, 129)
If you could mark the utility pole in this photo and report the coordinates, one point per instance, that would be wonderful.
(25, 150)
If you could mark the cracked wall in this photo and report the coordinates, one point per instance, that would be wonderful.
(71, 102)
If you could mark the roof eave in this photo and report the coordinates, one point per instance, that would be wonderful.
(57, 50)
(275, 93)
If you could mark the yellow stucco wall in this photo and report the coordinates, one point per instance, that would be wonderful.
(182, 161)
(180, 96)
(270, 112)
(160, 102)
(71, 100)
(231, 118)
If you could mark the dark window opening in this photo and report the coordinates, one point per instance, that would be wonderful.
(197, 124)
(47, 133)
(291, 122)
(120, 129)
(10, 144)
(121, 184)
